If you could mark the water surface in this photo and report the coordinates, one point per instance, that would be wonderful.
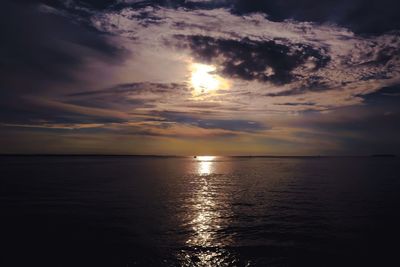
(222, 211)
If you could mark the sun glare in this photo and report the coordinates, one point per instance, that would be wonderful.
(205, 158)
(204, 80)
(205, 164)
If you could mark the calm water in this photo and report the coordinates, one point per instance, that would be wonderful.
(131, 211)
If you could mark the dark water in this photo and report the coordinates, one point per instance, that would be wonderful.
(129, 211)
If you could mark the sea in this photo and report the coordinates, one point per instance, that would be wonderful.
(199, 211)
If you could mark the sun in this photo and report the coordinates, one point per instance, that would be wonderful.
(204, 80)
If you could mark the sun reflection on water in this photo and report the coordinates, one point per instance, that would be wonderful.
(205, 220)
(208, 210)
(205, 164)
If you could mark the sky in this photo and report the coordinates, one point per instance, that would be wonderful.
(200, 77)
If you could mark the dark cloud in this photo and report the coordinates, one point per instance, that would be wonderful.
(386, 97)
(133, 88)
(97, 4)
(232, 125)
(28, 113)
(371, 128)
(125, 96)
(253, 60)
(374, 16)
(43, 47)
(297, 104)
(42, 52)
(308, 84)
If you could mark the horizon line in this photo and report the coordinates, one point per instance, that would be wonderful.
(185, 156)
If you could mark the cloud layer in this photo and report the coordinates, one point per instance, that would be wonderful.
(122, 69)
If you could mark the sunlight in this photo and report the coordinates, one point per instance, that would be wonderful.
(205, 158)
(204, 80)
(205, 164)
(209, 212)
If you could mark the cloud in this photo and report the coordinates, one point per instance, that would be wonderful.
(375, 16)
(48, 48)
(290, 61)
(189, 118)
(122, 69)
(359, 16)
(45, 125)
(253, 60)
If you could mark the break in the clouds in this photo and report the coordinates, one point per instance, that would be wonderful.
(236, 77)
